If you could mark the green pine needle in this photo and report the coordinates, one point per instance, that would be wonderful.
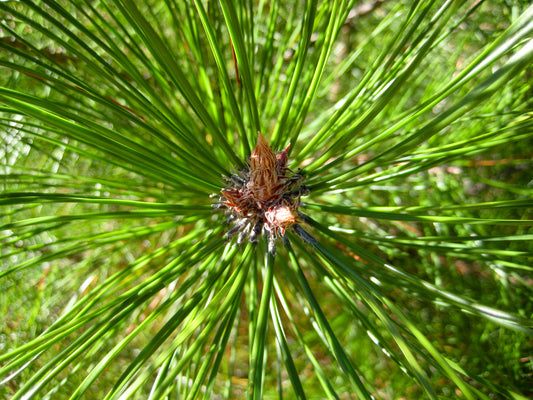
(403, 271)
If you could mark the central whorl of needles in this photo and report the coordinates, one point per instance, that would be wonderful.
(263, 197)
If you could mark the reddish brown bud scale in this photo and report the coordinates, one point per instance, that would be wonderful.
(280, 218)
(282, 158)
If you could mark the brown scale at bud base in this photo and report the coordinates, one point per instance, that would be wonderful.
(263, 197)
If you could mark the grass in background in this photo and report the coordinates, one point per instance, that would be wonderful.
(412, 123)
